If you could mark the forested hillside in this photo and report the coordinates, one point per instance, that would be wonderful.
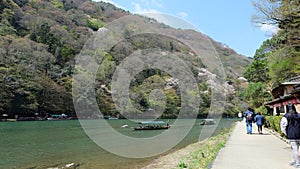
(39, 40)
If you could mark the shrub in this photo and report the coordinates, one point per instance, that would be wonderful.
(273, 122)
(94, 24)
(181, 164)
(263, 110)
(57, 4)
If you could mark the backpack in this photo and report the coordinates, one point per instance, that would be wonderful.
(249, 117)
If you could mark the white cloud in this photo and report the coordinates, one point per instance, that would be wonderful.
(158, 3)
(167, 19)
(269, 29)
(182, 15)
(138, 9)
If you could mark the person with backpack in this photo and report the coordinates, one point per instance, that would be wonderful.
(290, 126)
(259, 120)
(249, 119)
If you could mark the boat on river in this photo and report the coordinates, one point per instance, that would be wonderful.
(57, 117)
(111, 118)
(11, 120)
(152, 125)
(208, 122)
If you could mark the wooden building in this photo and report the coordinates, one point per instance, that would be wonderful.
(286, 93)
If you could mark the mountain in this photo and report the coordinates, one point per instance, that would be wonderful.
(39, 42)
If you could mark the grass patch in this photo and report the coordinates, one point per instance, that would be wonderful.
(181, 165)
(203, 156)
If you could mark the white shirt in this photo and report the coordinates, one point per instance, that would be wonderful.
(283, 124)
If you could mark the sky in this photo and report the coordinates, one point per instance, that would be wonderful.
(228, 22)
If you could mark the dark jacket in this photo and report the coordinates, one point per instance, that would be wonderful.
(293, 127)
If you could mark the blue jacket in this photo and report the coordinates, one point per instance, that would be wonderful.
(259, 119)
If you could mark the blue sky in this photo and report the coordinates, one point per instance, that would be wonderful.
(228, 22)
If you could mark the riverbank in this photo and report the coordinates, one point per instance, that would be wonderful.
(196, 155)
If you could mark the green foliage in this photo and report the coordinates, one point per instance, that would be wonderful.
(257, 71)
(38, 42)
(173, 102)
(57, 3)
(7, 18)
(94, 24)
(256, 94)
(278, 58)
(273, 122)
(282, 65)
(231, 111)
(203, 86)
(206, 152)
(262, 109)
(43, 35)
(106, 68)
(6, 29)
(67, 52)
(181, 165)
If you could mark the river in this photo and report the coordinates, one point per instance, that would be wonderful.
(45, 144)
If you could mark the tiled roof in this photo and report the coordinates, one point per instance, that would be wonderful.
(294, 79)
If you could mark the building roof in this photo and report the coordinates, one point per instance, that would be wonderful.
(280, 99)
(284, 100)
(290, 97)
(290, 83)
(279, 90)
(294, 79)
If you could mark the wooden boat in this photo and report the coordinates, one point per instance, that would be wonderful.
(113, 118)
(57, 117)
(152, 125)
(124, 126)
(110, 118)
(208, 122)
(11, 120)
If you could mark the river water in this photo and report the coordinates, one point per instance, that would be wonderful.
(46, 144)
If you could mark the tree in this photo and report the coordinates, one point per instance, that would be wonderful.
(257, 71)
(283, 13)
(5, 89)
(267, 12)
(282, 61)
(277, 58)
(256, 94)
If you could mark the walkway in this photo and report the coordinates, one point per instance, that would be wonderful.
(254, 151)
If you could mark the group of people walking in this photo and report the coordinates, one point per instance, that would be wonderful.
(289, 125)
(251, 117)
